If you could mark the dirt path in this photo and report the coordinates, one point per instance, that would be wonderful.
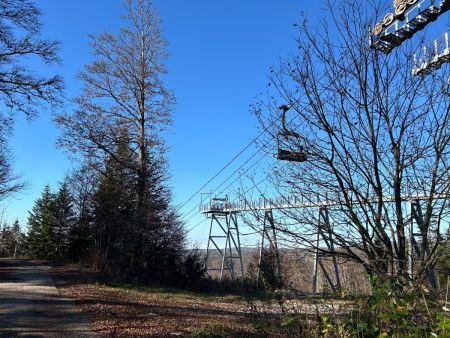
(31, 305)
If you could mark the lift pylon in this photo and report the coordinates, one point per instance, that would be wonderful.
(225, 239)
(269, 233)
(324, 235)
(417, 248)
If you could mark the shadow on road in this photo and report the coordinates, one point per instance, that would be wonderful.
(31, 306)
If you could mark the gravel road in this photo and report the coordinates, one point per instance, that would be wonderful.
(31, 306)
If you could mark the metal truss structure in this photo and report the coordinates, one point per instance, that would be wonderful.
(224, 226)
(432, 58)
(416, 234)
(224, 230)
(324, 234)
(419, 15)
(269, 233)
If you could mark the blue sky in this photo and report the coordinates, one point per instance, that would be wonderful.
(220, 53)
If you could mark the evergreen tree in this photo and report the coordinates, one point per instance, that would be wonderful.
(5, 240)
(41, 221)
(82, 183)
(129, 240)
(163, 238)
(114, 208)
(64, 220)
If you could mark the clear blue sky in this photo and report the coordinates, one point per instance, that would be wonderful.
(220, 52)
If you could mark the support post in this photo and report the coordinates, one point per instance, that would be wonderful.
(417, 234)
(316, 261)
(269, 232)
(224, 231)
(324, 232)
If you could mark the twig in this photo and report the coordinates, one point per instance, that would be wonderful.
(426, 305)
(446, 294)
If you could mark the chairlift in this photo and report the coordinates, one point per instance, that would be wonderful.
(285, 135)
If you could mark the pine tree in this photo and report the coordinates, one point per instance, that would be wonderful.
(121, 125)
(4, 240)
(41, 221)
(114, 208)
(139, 244)
(34, 229)
(64, 220)
(82, 183)
(163, 238)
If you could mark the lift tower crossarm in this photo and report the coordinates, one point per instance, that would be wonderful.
(298, 203)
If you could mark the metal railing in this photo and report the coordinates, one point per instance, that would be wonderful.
(431, 57)
(294, 202)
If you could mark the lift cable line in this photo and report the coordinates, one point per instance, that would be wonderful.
(220, 171)
(197, 225)
(265, 129)
(300, 154)
(223, 213)
(236, 171)
(199, 205)
(282, 154)
(229, 177)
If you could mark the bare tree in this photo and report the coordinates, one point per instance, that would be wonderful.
(125, 105)
(376, 137)
(9, 182)
(124, 90)
(21, 90)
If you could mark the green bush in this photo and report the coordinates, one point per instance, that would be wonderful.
(393, 310)
(397, 310)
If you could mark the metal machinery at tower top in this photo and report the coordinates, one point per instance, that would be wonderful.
(409, 17)
(431, 58)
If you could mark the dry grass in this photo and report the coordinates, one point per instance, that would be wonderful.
(120, 310)
(129, 312)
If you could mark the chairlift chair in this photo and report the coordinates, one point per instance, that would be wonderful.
(285, 135)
